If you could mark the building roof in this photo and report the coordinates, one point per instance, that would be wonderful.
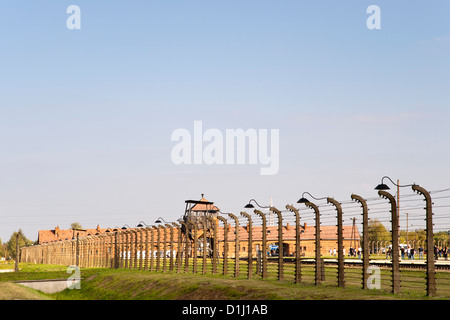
(203, 205)
(307, 233)
(47, 236)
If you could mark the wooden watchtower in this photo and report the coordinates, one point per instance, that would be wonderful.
(197, 212)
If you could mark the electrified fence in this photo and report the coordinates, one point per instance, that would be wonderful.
(327, 248)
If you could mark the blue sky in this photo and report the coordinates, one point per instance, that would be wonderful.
(86, 115)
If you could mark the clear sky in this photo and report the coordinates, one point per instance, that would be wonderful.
(86, 116)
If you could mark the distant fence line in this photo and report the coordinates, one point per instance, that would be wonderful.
(214, 245)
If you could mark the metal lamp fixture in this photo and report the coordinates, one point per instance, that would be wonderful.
(141, 224)
(383, 186)
(159, 220)
(305, 200)
(250, 206)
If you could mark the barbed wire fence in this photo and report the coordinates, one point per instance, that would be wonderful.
(409, 254)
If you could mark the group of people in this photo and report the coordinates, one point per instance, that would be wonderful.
(352, 252)
(442, 252)
(406, 252)
(409, 253)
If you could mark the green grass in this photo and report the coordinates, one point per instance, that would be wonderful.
(11, 291)
(135, 285)
(125, 284)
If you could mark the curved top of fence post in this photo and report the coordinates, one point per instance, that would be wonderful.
(293, 209)
(259, 213)
(386, 195)
(225, 222)
(278, 212)
(222, 219)
(233, 217)
(273, 209)
(421, 191)
(312, 206)
(245, 214)
(236, 221)
(334, 202)
(358, 198)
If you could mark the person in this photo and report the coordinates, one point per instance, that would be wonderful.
(420, 253)
(359, 253)
(445, 252)
(412, 251)
(334, 252)
(436, 251)
(402, 252)
(408, 252)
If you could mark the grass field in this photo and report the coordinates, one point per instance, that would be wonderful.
(126, 284)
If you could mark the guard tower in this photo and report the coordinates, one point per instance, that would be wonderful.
(198, 210)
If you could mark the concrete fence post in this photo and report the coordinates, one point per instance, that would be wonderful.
(264, 243)
(431, 273)
(395, 242)
(195, 249)
(147, 254)
(141, 248)
(171, 247)
(280, 243)
(16, 264)
(214, 245)
(77, 250)
(203, 224)
(135, 248)
(127, 248)
(225, 245)
(116, 250)
(123, 248)
(186, 247)
(236, 245)
(250, 245)
(365, 242)
(298, 266)
(158, 248)
(319, 272)
(164, 247)
(340, 237)
(179, 247)
(151, 251)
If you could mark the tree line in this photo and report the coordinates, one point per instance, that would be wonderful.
(378, 232)
(8, 249)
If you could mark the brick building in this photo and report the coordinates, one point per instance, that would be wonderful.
(307, 239)
(48, 236)
(197, 210)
